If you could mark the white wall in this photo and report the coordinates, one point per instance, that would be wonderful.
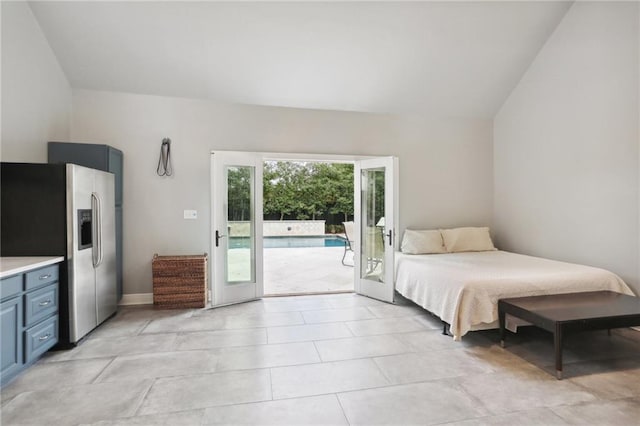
(566, 145)
(446, 171)
(445, 165)
(36, 96)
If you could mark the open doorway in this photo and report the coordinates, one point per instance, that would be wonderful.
(305, 205)
(237, 267)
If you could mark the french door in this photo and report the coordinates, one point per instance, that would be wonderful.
(375, 216)
(236, 228)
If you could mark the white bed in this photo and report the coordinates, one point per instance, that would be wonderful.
(463, 288)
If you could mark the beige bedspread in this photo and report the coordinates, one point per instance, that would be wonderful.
(463, 288)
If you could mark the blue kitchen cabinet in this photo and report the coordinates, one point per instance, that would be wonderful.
(28, 317)
(11, 321)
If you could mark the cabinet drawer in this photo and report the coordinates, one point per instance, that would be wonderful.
(39, 304)
(42, 276)
(40, 338)
(10, 286)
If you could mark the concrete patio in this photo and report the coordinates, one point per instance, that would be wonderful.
(307, 270)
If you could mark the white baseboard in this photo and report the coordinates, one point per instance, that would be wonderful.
(136, 299)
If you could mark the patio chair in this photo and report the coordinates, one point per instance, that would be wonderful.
(374, 250)
(348, 235)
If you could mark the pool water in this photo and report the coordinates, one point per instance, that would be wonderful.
(285, 242)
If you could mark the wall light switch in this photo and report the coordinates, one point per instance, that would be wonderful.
(191, 214)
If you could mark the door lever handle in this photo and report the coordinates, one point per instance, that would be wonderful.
(390, 236)
(218, 236)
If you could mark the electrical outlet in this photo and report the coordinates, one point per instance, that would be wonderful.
(191, 214)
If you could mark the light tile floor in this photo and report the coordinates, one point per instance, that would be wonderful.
(326, 360)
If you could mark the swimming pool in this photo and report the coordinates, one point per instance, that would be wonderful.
(291, 242)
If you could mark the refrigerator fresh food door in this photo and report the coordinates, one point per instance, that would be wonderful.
(82, 289)
(105, 270)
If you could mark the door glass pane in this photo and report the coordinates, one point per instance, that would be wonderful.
(372, 232)
(240, 264)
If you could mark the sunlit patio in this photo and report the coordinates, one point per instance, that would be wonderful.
(307, 270)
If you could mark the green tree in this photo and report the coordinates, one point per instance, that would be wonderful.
(343, 190)
(279, 188)
(306, 190)
(239, 193)
(316, 189)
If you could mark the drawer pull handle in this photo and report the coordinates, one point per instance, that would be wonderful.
(44, 277)
(45, 337)
(45, 303)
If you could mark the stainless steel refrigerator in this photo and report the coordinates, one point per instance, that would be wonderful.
(68, 210)
(99, 157)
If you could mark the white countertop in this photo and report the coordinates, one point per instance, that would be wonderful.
(15, 265)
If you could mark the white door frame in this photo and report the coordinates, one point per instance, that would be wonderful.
(366, 286)
(283, 156)
(244, 289)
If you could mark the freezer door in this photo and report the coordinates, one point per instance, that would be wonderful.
(106, 277)
(82, 289)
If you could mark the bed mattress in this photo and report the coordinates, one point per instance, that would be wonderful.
(463, 289)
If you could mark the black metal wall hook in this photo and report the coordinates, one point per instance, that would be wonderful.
(164, 162)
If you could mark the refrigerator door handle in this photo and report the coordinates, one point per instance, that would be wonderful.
(94, 229)
(100, 252)
(96, 207)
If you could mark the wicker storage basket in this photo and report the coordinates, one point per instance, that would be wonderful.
(179, 281)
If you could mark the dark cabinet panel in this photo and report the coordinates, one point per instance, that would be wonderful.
(33, 210)
(100, 157)
(115, 166)
(119, 250)
(83, 154)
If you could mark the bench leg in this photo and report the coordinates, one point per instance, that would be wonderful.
(501, 319)
(557, 337)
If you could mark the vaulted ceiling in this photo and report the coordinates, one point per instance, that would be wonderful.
(439, 58)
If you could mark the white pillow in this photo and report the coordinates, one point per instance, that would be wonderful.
(467, 239)
(422, 242)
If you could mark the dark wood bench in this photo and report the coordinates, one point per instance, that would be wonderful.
(562, 313)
